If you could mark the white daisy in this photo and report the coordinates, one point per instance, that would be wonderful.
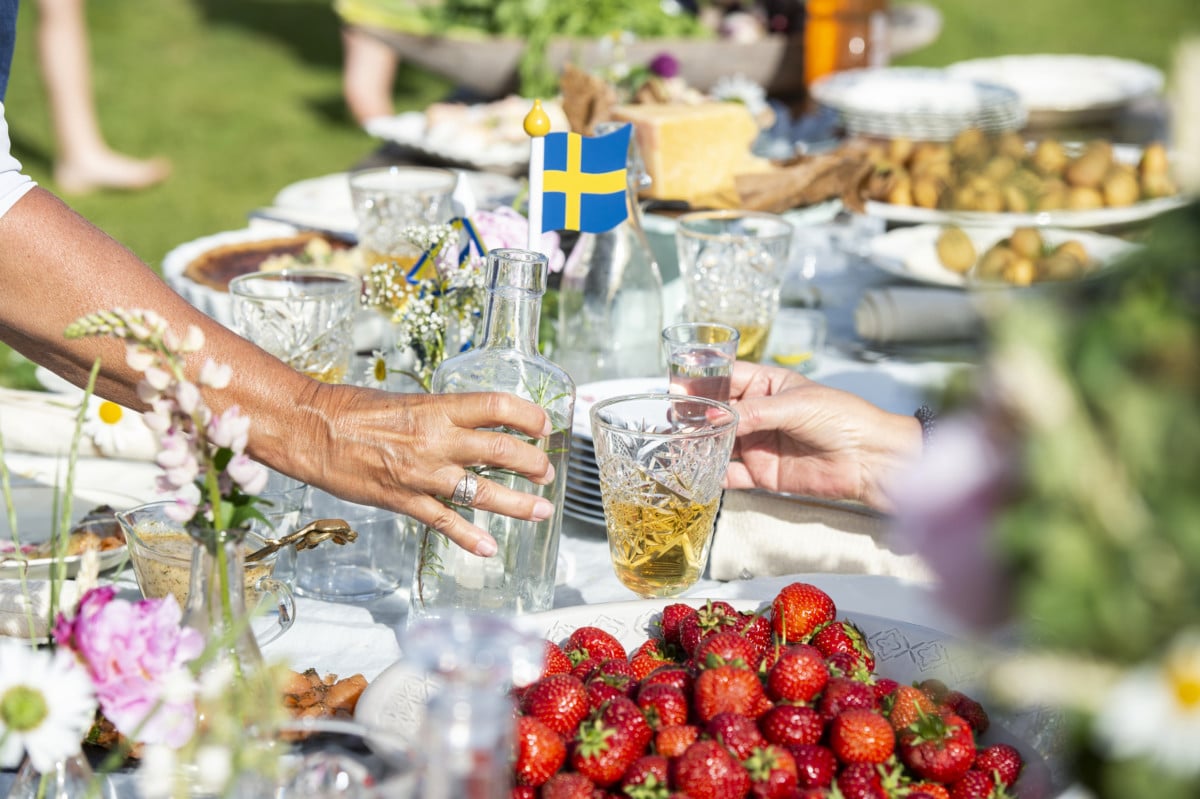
(47, 705)
(377, 371)
(112, 428)
(1154, 712)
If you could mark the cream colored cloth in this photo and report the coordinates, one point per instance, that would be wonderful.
(17, 607)
(43, 422)
(767, 535)
(901, 315)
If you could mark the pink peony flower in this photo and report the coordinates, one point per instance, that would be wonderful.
(507, 228)
(137, 655)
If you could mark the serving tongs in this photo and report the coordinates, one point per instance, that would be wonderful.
(310, 536)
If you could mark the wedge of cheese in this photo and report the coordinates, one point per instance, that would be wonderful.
(692, 152)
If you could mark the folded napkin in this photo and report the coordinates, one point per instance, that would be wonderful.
(16, 606)
(336, 638)
(904, 315)
(767, 535)
(43, 422)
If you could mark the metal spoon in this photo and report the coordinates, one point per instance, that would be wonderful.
(308, 537)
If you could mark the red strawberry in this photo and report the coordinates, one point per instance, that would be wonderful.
(593, 642)
(713, 617)
(648, 657)
(674, 741)
(936, 689)
(522, 792)
(555, 660)
(739, 734)
(708, 771)
(663, 705)
(973, 712)
(799, 609)
(672, 617)
(585, 669)
(568, 785)
(609, 741)
(792, 724)
(772, 772)
(729, 688)
(859, 735)
(861, 781)
(560, 701)
(540, 752)
(1002, 761)
(756, 629)
(973, 785)
(670, 675)
(842, 693)
(727, 646)
(843, 636)
(815, 765)
(601, 690)
(884, 687)
(649, 771)
(799, 674)
(939, 747)
(928, 790)
(906, 705)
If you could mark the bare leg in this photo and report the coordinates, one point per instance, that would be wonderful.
(368, 75)
(84, 161)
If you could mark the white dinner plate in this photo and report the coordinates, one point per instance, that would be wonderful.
(459, 146)
(34, 509)
(589, 394)
(911, 252)
(917, 102)
(583, 514)
(329, 196)
(1075, 88)
(903, 652)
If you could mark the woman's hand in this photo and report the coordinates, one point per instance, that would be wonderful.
(408, 452)
(797, 436)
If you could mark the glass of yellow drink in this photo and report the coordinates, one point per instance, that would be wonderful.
(732, 264)
(304, 317)
(662, 458)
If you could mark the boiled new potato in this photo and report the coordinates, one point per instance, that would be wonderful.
(955, 250)
(1026, 242)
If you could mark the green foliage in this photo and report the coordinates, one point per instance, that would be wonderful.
(1102, 539)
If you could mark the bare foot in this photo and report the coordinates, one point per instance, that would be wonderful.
(110, 171)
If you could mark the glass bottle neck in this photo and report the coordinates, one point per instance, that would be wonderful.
(516, 283)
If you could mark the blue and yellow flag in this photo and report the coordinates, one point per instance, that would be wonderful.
(583, 184)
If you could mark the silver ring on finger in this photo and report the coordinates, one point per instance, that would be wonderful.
(465, 491)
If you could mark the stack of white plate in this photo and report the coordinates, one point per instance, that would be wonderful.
(918, 103)
(583, 474)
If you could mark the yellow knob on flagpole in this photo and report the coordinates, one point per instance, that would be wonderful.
(537, 121)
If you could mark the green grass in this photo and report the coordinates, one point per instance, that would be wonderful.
(244, 96)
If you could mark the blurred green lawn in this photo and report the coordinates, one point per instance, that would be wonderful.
(244, 96)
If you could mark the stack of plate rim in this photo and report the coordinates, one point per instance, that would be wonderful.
(918, 103)
(583, 473)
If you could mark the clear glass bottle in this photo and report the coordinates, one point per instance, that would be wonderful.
(465, 744)
(610, 301)
(520, 577)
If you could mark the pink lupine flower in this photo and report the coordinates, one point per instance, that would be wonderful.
(248, 474)
(215, 375)
(229, 429)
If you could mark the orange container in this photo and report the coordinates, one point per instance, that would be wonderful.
(843, 34)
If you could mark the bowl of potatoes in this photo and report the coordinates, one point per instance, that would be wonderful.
(990, 257)
(1003, 179)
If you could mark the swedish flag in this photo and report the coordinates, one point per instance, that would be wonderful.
(583, 184)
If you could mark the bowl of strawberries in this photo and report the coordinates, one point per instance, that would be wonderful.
(713, 699)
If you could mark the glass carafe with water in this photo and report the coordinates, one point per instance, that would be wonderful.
(610, 304)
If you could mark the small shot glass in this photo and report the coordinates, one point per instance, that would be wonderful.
(798, 338)
(700, 358)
